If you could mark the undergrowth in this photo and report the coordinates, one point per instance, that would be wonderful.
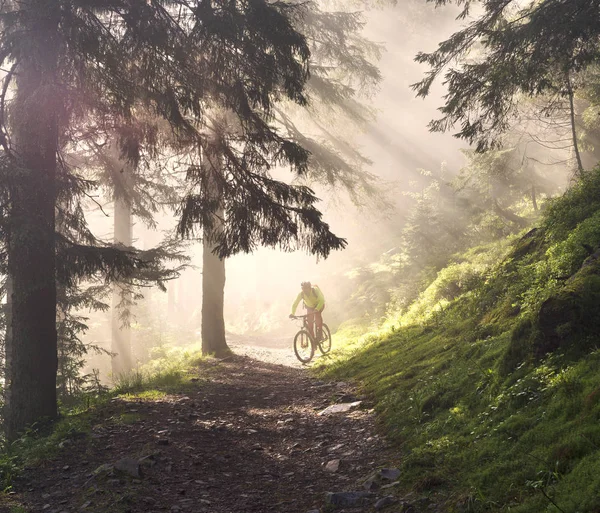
(168, 372)
(489, 384)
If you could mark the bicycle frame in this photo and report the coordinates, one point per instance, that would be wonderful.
(304, 323)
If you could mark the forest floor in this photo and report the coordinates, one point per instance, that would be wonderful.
(247, 435)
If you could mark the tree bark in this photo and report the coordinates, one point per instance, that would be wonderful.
(171, 302)
(32, 344)
(571, 95)
(534, 198)
(121, 361)
(509, 216)
(213, 284)
(213, 300)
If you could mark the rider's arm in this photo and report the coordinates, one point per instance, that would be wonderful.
(320, 299)
(296, 303)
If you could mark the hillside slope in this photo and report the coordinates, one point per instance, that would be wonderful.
(490, 383)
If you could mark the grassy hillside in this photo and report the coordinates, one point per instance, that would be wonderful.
(490, 382)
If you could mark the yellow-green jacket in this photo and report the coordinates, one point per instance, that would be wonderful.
(314, 299)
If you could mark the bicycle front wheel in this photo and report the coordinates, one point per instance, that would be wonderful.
(325, 344)
(303, 346)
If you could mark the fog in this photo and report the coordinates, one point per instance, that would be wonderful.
(399, 144)
(261, 286)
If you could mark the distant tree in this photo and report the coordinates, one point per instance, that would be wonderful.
(139, 185)
(589, 127)
(511, 49)
(84, 63)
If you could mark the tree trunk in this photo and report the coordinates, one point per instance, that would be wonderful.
(571, 96)
(122, 361)
(171, 303)
(213, 300)
(32, 344)
(213, 285)
(8, 358)
(521, 222)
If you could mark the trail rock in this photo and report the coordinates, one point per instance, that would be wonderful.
(375, 480)
(107, 468)
(371, 484)
(347, 398)
(129, 466)
(334, 448)
(340, 408)
(348, 499)
(148, 461)
(389, 474)
(332, 466)
(385, 502)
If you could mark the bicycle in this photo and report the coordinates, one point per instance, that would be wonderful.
(305, 345)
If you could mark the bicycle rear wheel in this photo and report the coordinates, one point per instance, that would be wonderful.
(303, 346)
(325, 343)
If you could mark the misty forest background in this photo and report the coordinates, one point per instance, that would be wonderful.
(170, 172)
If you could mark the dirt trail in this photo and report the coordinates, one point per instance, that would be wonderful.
(247, 437)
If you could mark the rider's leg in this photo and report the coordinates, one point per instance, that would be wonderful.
(319, 323)
(310, 319)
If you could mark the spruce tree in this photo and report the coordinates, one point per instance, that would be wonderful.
(510, 49)
(79, 64)
(344, 75)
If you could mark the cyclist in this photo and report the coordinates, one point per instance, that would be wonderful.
(314, 302)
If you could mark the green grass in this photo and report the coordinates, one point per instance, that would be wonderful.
(491, 393)
(169, 372)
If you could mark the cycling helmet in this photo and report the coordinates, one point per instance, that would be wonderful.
(305, 284)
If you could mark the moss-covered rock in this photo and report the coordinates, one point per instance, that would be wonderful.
(520, 348)
(570, 318)
(528, 243)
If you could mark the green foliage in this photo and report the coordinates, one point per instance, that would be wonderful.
(529, 48)
(491, 389)
(39, 443)
(169, 372)
(490, 200)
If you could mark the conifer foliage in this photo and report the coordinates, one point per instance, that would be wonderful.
(81, 67)
(512, 48)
